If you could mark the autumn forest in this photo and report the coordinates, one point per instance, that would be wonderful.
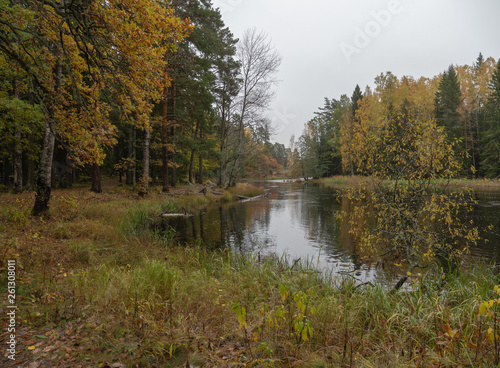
(175, 98)
(127, 123)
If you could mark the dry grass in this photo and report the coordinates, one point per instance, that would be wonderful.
(342, 182)
(103, 288)
(246, 189)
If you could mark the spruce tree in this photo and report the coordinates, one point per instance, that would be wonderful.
(357, 96)
(490, 138)
(447, 101)
(479, 61)
(478, 114)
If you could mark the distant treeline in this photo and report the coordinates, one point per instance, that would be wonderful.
(464, 101)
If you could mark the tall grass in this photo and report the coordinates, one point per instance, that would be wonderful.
(246, 189)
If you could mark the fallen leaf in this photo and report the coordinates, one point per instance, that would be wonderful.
(48, 349)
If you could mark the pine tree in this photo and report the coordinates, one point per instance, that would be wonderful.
(490, 138)
(192, 95)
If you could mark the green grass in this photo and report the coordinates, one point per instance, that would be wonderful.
(343, 181)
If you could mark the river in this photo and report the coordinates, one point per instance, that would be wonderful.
(298, 221)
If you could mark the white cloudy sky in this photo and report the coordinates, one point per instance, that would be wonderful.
(419, 38)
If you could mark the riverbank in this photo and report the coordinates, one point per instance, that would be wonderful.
(98, 286)
(342, 182)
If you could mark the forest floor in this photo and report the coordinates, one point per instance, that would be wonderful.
(97, 286)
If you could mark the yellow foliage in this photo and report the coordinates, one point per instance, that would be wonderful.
(113, 47)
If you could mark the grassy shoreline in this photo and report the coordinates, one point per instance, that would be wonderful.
(96, 287)
(359, 181)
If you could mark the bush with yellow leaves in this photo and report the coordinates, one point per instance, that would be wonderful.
(489, 311)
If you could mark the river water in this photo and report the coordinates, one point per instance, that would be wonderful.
(298, 221)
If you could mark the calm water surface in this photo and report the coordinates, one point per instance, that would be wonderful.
(300, 221)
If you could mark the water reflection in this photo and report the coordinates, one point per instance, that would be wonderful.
(300, 221)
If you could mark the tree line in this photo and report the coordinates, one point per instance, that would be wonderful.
(464, 101)
(148, 90)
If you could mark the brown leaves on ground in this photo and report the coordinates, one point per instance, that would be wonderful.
(55, 348)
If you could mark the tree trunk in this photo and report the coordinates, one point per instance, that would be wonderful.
(143, 190)
(164, 143)
(30, 180)
(191, 167)
(4, 174)
(200, 174)
(223, 148)
(69, 175)
(18, 152)
(129, 180)
(134, 156)
(173, 177)
(18, 162)
(222, 168)
(96, 179)
(43, 190)
(44, 179)
(174, 166)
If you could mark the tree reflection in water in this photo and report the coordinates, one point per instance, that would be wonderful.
(300, 221)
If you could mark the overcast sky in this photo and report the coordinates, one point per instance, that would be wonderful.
(329, 46)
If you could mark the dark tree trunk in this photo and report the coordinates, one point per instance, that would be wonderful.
(30, 180)
(173, 182)
(174, 166)
(144, 187)
(191, 167)
(223, 137)
(130, 179)
(4, 172)
(200, 174)
(134, 157)
(18, 152)
(18, 163)
(96, 179)
(164, 143)
(68, 178)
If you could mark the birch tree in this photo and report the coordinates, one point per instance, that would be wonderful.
(75, 53)
(259, 63)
